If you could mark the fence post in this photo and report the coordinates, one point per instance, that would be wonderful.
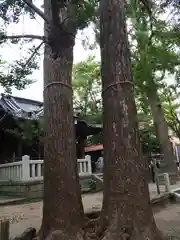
(156, 176)
(4, 230)
(167, 182)
(25, 168)
(88, 158)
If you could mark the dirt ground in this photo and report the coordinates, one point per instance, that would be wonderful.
(30, 215)
(168, 220)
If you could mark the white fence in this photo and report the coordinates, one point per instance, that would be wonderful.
(27, 170)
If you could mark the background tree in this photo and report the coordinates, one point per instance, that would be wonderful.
(155, 56)
(149, 140)
(169, 97)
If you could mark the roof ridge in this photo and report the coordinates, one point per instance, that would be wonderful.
(21, 98)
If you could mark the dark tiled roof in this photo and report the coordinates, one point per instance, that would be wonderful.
(31, 109)
(20, 107)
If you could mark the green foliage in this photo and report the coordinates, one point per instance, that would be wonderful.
(86, 13)
(154, 44)
(16, 74)
(87, 90)
(87, 94)
(149, 141)
(27, 131)
(87, 102)
(154, 55)
(154, 50)
(170, 101)
(19, 73)
(12, 10)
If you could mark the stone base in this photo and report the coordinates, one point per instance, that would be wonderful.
(31, 189)
(173, 177)
(35, 189)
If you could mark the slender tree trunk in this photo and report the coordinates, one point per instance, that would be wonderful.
(127, 212)
(63, 210)
(161, 128)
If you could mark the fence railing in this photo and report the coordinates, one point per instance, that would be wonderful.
(27, 170)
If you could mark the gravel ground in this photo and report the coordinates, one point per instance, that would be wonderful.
(30, 214)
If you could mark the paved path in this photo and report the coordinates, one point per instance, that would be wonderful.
(27, 215)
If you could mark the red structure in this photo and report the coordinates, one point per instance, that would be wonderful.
(95, 151)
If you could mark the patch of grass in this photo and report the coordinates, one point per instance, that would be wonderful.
(173, 235)
(170, 237)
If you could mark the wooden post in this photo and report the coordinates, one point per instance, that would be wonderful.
(4, 229)
(25, 168)
(88, 158)
(167, 182)
(156, 176)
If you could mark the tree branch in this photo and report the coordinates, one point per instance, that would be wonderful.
(148, 5)
(162, 75)
(71, 13)
(33, 54)
(37, 11)
(22, 36)
(55, 12)
(3, 117)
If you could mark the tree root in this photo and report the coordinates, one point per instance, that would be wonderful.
(101, 229)
(96, 230)
(111, 229)
(109, 234)
(28, 234)
(147, 234)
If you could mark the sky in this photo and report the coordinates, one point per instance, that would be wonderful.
(12, 52)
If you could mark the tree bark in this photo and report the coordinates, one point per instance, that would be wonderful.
(161, 127)
(127, 212)
(62, 210)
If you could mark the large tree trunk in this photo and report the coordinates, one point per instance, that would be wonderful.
(161, 127)
(127, 212)
(63, 210)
